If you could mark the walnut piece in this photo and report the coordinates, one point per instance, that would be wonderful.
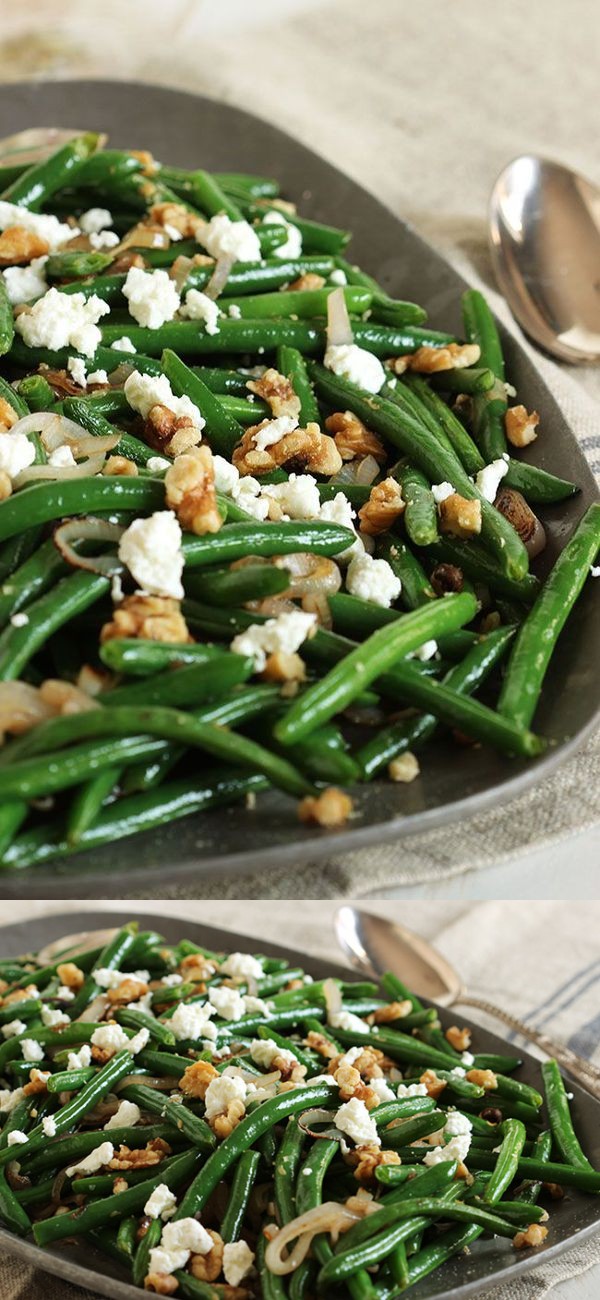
(302, 451)
(534, 1235)
(63, 698)
(124, 261)
(129, 990)
(190, 491)
(353, 438)
(383, 509)
(405, 768)
(18, 245)
(391, 1011)
(435, 1086)
(142, 1157)
(282, 667)
(170, 433)
(367, 1159)
(150, 618)
(321, 1044)
(196, 1079)
(331, 808)
(197, 967)
(459, 516)
(309, 280)
(350, 1085)
(161, 1283)
(8, 416)
(459, 1039)
(70, 975)
(5, 485)
(277, 390)
(178, 218)
(428, 360)
(223, 1125)
(521, 426)
(208, 1267)
(120, 465)
(483, 1079)
(38, 1082)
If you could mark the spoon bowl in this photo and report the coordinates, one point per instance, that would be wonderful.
(544, 225)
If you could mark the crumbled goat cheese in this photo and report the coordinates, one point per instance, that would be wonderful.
(457, 1129)
(457, 1124)
(293, 243)
(273, 431)
(108, 978)
(488, 478)
(161, 1204)
(77, 369)
(64, 994)
(16, 1138)
(61, 457)
(249, 497)
(456, 1149)
(338, 277)
(14, 1028)
(31, 1050)
(9, 1099)
(235, 312)
(126, 1116)
(98, 377)
(228, 1087)
(424, 652)
(284, 634)
(193, 1021)
(595, 570)
(152, 297)
(80, 1060)
(54, 232)
(242, 965)
(348, 1020)
(25, 283)
(52, 1018)
(411, 1090)
(372, 580)
(339, 510)
(227, 477)
(59, 320)
(151, 549)
(145, 391)
(19, 620)
(383, 1090)
(123, 345)
(104, 239)
(139, 1041)
(458, 1072)
(49, 1126)
(110, 1038)
(171, 981)
(468, 1059)
(441, 491)
(353, 1119)
(198, 306)
(264, 1050)
(228, 1003)
(355, 364)
(237, 1261)
(298, 497)
(225, 238)
(177, 1243)
(94, 220)
(16, 453)
(156, 464)
(100, 1156)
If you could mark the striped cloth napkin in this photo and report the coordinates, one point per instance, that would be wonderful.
(539, 960)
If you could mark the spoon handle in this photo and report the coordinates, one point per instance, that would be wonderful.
(587, 1074)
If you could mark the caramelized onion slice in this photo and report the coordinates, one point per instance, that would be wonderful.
(89, 529)
(339, 329)
(514, 507)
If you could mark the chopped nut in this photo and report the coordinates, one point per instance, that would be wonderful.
(459, 1039)
(63, 698)
(5, 485)
(151, 618)
(223, 1125)
(142, 1157)
(207, 1267)
(120, 465)
(521, 426)
(435, 1086)
(352, 438)
(534, 1235)
(120, 1185)
(190, 491)
(282, 667)
(391, 1011)
(8, 415)
(196, 1079)
(321, 1044)
(428, 360)
(161, 1283)
(70, 975)
(350, 1085)
(367, 1159)
(383, 509)
(447, 578)
(308, 281)
(277, 390)
(554, 1190)
(331, 808)
(483, 1079)
(18, 245)
(124, 261)
(38, 1082)
(405, 768)
(177, 217)
(129, 990)
(20, 995)
(149, 164)
(459, 516)
(197, 967)
(302, 450)
(170, 433)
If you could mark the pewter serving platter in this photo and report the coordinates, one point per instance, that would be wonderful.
(489, 1263)
(188, 130)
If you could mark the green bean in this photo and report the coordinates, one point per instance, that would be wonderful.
(7, 326)
(141, 1258)
(188, 338)
(105, 166)
(12, 816)
(39, 182)
(544, 1171)
(391, 311)
(420, 515)
(10, 395)
(37, 392)
(505, 1170)
(453, 1242)
(16, 550)
(50, 611)
(223, 430)
(542, 1150)
(137, 1019)
(482, 568)
(259, 277)
(239, 1195)
(538, 634)
(127, 1236)
(399, 394)
(67, 265)
(12, 1213)
(406, 1131)
(300, 303)
(44, 502)
(235, 541)
(537, 485)
(113, 953)
(406, 1220)
(88, 802)
(71, 1080)
(290, 363)
(236, 586)
(469, 379)
(316, 237)
(196, 1130)
(559, 1115)
(140, 658)
(489, 409)
(464, 447)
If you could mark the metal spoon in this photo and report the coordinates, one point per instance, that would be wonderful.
(544, 226)
(375, 945)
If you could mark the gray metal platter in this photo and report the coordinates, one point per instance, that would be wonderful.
(489, 1263)
(189, 130)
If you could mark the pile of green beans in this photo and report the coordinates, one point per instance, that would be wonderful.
(238, 1115)
(164, 701)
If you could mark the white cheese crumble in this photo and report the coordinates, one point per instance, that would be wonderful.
(171, 981)
(348, 1020)
(104, 239)
(467, 1059)
(77, 369)
(293, 243)
(457, 1129)
(242, 965)
(14, 1028)
(94, 220)
(284, 634)
(225, 238)
(151, 549)
(60, 320)
(61, 457)
(339, 510)
(372, 580)
(52, 1018)
(236, 313)
(9, 1099)
(110, 1038)
(25, 283)
(273, 431)
(198, 306)
(98, 377)
(221, 1091)
(338, 277)
(237, 1261)
(249, 496)
(54, 232)
(100, 1156)
(49, 1126)
(441, 491)
(298, 497)
(19, 620)
(411, 1090)
(152, 297)
(354, 1119)
(80, 1060)
(16, 453)
(383, 1090)
(488, 479)
(16, 1138)
(458, 1072)
(31, 1050)
(355, 364)
(156, 464)
(193, 1021)
(178, 1241)
(228, 1003)
(123, 345)
(595, 570)
(264, 1050)
(161, 1204)
(108, 978)
(424, 652)
(145, 391)
(126, 1116)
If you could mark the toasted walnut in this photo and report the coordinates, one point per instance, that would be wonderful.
(161, 1283)
(369, 1063)
(391, 1011)
(207, 1267)
(223, 1125)
(521, 426)
(5, 485)
(129, 990)
(459, 1039)
(197, 967)
(282, 667)
(302, 450)
(8, 415)
(150, 618)
(124, 261)
(178, 218)
(289, 1070)
(120, 465)
(435, 1086)
(63, 698)
(533, 1236)
(148, 162)
(120, 1185)
(38, 1082)
(310, 280)
(331, 808)
(18, 245)
(367, 1159)
(352, 438)
(170, 433)
(483, 1079)
(196, 1079)
(277, 390)
(447, 578)
(460, 517)
(70, 975)
(20, 995)
(350, 1085)
(322, 1045)
(141, 1158)
(427, 360)
(190, 491)
(405, 768)
(383, 509)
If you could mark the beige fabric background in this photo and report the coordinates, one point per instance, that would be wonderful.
(501, 951)
(423, 104)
